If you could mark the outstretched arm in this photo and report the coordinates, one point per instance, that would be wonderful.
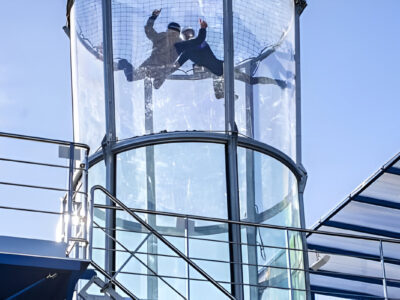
(149, 28)
(201, 37)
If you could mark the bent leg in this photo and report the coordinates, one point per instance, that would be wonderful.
(130, 73)
(219, 87)
(216, 67)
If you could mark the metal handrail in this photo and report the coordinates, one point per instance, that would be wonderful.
(244, 223)
(160, 237)
(37, 163)
(48, 188)
(44, 140)
(113, 280)
(141, 262)
(366, 256)
(31, 210)
(70, 208)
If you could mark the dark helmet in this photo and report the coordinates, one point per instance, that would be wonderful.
(174, 26)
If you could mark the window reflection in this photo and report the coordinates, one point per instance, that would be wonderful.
(268, 195)
(186, 178)
(264, 47)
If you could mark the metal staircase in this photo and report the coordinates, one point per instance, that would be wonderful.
(109, 284)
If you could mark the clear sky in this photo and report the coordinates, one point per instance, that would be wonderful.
(350, 78)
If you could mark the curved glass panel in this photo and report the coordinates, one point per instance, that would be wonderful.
(97, 176)
(264, 45)
(187, 178)
(269, 195)
(267, 190)
(87, 73)
(166, 79)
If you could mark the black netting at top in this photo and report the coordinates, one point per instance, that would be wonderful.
(259, 25)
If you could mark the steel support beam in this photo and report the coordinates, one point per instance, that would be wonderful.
(229, 67)
(251, 232)
(231, 154)
(234, 215)
(377, 202)
(110, 136)
(363, 229)
(299, 7)
(152, 261)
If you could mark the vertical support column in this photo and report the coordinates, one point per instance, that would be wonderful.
(152, 262)
(289, 264)
(229, 67)
(87, 207)
(251, 231)
(187, 235)
(385, 293)
(299, 6)
(234, 214)
(70, 190)
(110, 136)
(231, 154)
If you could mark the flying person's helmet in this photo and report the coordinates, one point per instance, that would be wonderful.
(174, 26)
(187, 33)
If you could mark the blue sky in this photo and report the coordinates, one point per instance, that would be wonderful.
(350, 78)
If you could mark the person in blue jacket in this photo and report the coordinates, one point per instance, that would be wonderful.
(198, 51)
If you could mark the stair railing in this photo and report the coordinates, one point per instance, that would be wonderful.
(156, 234)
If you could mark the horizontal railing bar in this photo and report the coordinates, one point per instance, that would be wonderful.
(233, 262)
(219, 281)
(78, 240)
(38, 163)
(268, 226)
(366, 256)
(252, 285)
(44, 140)
(39, 187)
(31, 210)
(203, 259)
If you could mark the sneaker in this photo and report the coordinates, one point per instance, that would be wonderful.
(123, 64)
(281, 83)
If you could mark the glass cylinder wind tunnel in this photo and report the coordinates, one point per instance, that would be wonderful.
(195, 127)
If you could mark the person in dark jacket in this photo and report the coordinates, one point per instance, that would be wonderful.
(198, 51)
(161, 61)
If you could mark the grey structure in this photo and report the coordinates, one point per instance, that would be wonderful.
(368, 267)
(262, 176)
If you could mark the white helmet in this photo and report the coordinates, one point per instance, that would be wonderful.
(188, 33)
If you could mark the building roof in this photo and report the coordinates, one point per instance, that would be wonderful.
(354, 267)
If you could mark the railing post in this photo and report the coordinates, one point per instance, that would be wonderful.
(385, 293)
(85, 205)
(70, 190)
(289, 265)
(110, 128)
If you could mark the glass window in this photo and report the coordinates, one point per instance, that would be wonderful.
(267, 189)
(264, 48)
(87, 72)
(167, 69)
(268, 195)
(186, 178)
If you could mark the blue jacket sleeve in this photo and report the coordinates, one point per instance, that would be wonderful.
(201, 37)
